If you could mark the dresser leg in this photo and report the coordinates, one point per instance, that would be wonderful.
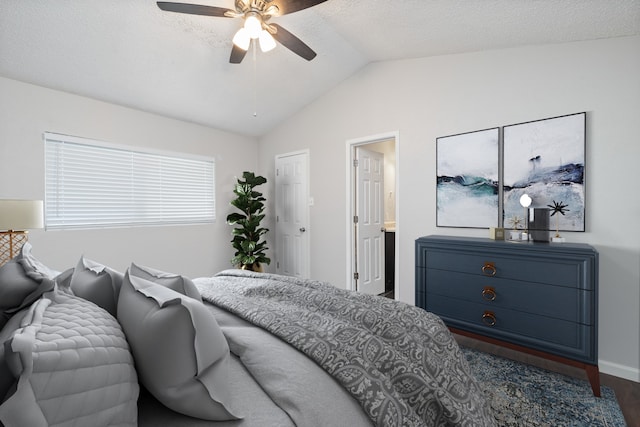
(594, 378)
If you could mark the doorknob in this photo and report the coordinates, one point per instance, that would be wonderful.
(302, 229)
(382, 230)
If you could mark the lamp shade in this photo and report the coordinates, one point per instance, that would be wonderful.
(267, 41)
(21, 214)
(242, 39)
(253, 25)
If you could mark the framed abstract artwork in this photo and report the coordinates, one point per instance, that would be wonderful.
(545, 159)
(467, 179)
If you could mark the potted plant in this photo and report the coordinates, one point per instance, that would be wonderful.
(250, 251)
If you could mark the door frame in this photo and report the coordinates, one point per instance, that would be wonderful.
(307, 207)
(351, 145)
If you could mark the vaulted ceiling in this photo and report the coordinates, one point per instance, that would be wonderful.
(131, 53)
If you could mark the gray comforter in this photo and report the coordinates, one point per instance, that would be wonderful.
(399, 362)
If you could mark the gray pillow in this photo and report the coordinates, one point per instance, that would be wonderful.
(178, 283)
(21, 283)
(74, 367)
(97, 283)
(63, 281)
(31, 262)
(181, 355)
(7, 380)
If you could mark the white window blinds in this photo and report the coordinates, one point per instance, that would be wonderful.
(90, 184)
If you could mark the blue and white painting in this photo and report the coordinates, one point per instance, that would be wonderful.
(545, 159)
(467, 179)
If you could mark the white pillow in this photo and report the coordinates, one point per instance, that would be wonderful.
(181, 355)
(73, 366)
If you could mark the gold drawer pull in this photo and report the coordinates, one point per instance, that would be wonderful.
(489, 318)
(489, 269)
(488, 293)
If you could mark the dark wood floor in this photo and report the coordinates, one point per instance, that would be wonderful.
(627, 392)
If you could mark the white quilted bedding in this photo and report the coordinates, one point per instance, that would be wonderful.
(74, 368)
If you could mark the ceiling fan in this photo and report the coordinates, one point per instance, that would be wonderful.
(256, 15)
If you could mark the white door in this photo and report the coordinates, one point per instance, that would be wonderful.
(370, 224)
(292, 215)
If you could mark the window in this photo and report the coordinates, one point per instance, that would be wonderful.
(91, 184)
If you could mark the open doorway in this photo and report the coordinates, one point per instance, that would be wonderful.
(372, 243)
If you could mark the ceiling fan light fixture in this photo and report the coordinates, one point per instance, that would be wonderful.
(267, 42)
(242, 39)
(256, 26)
(253, 25)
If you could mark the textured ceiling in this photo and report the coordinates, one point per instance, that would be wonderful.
(133, 54)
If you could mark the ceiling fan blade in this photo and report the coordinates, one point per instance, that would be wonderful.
(290, 6)
(195, 9)
(292, 43)
(237, 55)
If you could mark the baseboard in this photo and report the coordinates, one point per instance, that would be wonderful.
(617, 370)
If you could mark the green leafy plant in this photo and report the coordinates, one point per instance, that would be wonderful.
(247, 234)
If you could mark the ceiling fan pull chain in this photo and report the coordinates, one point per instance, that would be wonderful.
(255, 80)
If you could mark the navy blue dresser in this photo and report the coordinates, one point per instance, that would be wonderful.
(538, 298)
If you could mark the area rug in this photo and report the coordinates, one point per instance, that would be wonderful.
(526, 396)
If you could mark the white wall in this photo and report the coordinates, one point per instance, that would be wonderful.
(426, 98)
(26, 111)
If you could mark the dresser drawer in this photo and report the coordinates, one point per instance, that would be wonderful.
(534, 297)
(570, 304)
(546, 270)
(558, 336)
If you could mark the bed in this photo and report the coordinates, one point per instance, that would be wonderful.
(92, 346)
